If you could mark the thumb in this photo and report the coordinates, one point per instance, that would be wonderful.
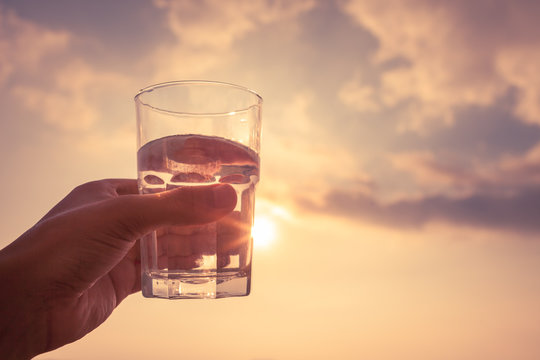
(87, 242)
(135, 215)
(128, 217)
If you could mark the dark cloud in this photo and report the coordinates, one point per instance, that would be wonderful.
(518, 212)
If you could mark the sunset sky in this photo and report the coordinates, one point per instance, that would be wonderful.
(400, 166)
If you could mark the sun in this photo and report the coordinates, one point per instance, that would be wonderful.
(263, 231)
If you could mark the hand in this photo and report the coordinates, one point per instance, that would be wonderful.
(64, 276)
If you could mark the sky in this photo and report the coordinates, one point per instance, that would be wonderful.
(400, 166)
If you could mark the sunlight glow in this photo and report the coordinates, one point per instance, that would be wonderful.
(263, 231)
(281, 212)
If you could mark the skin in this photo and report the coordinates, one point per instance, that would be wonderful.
(64, 276)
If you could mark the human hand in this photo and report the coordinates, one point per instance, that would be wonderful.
(64, 276)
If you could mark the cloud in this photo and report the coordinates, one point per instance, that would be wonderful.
(299, 158)
(521, 170)
(517, 212)
(68, 111)
(217, 24)
(454, 54)
(73, 99)
(360, 97)
(48, 79)
(510, 174)
(503, 194)
(519, 66)
(433, 176)
(24, 45)
(206, 30)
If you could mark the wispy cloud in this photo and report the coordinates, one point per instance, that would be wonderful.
(217, 24)
(48, 84)
(25, 45)
(205, 31)
(74, 97)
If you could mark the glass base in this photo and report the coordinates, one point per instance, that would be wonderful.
(195, 285)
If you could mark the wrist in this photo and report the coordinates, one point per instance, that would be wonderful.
(22, 326)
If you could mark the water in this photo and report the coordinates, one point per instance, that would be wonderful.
(208, 261)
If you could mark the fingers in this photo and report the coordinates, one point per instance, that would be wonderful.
(127, 218)
(84, 244)
(182, 206)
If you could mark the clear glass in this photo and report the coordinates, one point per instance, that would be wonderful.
(193, 133)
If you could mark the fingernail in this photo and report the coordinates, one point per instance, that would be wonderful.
(224, 197)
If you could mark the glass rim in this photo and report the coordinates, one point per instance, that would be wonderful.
(151, 88)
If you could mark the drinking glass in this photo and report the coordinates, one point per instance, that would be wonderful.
(195, 133)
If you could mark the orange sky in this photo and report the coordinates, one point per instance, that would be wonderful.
(400, 166)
